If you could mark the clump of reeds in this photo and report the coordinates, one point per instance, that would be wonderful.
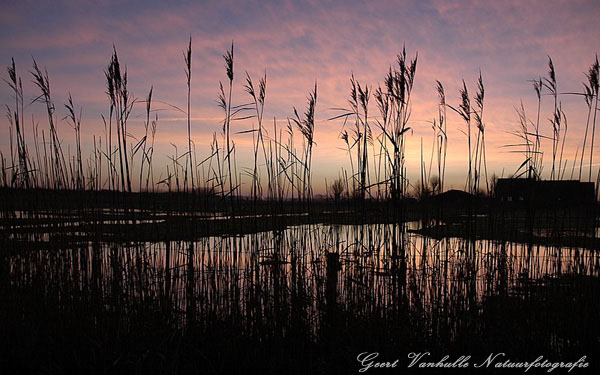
(477, 158)
(121, 105)
(306, 125)
(529, 149)
(78, 177)
(591, 99)
(394, 105)
(361, 135)
(58, 169)
(21, 171)
(393, 102)
(531, 146)
(558, 122)
(258, 97)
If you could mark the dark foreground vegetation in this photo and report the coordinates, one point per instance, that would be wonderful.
(108, 282)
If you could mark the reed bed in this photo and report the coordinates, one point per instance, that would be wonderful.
(273, 288)
(281, 163)
(186, 272)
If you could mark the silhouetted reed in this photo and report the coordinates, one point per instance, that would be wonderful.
(188, 73)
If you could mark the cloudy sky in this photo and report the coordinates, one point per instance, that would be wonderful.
(298, 43)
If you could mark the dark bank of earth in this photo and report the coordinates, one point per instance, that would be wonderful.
(75, 216)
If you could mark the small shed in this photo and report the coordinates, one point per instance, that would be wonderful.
(545, 192)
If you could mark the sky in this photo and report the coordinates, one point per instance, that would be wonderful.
(298, 43)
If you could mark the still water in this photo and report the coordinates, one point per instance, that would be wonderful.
(277, 277)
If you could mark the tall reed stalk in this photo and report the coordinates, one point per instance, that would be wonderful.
(480, 155)
(442, 137)
(188, 73)
(558, 122)
(225, 104)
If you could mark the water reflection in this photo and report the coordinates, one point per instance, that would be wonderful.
(285, 280)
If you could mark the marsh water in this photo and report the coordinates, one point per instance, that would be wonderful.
(266, 275)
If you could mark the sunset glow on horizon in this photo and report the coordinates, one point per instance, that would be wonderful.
(297, 44)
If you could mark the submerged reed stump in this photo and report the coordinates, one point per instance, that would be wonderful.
(333, 266)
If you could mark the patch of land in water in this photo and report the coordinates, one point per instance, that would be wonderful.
(72, 217)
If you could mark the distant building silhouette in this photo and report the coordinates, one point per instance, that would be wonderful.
(549, 192)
